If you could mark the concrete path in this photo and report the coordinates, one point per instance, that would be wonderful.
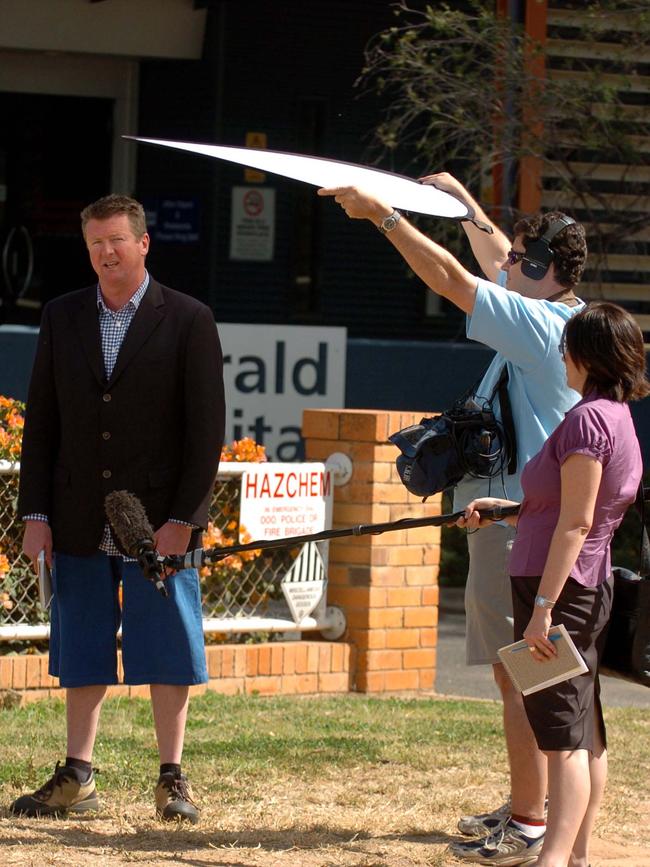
(453, 677)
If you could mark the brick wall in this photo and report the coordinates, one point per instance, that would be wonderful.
(287, 668)
(386, 584)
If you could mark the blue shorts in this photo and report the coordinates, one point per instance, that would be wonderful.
(162, 638)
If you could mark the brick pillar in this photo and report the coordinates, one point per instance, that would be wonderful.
(387, 584)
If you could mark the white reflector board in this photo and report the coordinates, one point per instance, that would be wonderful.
(395, 190)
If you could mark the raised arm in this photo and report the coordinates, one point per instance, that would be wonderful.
(490, 250)
(432, 263)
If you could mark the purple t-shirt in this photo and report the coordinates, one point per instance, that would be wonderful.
(603, 429)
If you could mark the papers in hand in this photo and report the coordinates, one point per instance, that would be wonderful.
(44, 582)
(530, 674)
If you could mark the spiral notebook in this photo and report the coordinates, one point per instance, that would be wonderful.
(530, 675)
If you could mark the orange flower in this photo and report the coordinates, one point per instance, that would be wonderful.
(11, 428)
(230, 533)
(245, 450)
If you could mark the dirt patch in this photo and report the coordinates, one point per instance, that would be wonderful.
(385, 817)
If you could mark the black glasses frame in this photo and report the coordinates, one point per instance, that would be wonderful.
(515, 256)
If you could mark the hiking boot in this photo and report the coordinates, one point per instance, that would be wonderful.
(63, 793)
(485, 823)
(507, 846)
(174, 799)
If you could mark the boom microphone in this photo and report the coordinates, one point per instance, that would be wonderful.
(211, 556)
(131, 525)
(129, 522)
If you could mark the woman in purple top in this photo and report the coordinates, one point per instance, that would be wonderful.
(576, 491)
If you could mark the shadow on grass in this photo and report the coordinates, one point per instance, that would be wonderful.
(174, 839)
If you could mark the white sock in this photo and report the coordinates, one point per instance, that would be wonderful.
(532, 831)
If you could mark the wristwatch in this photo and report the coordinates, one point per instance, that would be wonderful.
(389, 222)
(543, 602)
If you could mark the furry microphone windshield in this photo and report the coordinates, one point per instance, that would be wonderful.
(129, 522)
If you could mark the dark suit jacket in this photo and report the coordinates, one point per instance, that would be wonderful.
(155, 428)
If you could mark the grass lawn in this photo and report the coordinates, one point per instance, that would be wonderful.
(297, 781)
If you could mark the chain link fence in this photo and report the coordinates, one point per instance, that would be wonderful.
(246, 584)
(18, 583)
(240, 586)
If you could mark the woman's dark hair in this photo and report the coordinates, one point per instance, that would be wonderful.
(569, 246)
(607, 342)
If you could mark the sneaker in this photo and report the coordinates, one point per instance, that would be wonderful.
(508, 845)
(174, 799)
(485, 823)
(63, 793)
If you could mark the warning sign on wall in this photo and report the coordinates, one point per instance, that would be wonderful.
(255, 140)
(281, 500)
(252, 224)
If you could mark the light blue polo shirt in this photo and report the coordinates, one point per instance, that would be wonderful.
(526, 333)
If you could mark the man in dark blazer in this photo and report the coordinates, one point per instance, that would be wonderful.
(126, 393)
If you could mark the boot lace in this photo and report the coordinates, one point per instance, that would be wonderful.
(60, 774)
(178, 789)
(494, 841)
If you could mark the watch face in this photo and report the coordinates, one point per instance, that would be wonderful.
(389, 222)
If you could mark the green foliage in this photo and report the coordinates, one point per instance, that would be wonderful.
(465, 90)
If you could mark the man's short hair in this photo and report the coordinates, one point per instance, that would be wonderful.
(112, 206)
(569, 246)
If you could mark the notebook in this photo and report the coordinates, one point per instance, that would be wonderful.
(44, 582)
(530, 675)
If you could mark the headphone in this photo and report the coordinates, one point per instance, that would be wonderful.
(539, 254)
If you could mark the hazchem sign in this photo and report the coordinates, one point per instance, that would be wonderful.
(283, 500)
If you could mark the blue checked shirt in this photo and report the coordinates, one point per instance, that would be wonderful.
(113, 325)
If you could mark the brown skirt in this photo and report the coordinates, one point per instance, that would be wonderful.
(564, 716)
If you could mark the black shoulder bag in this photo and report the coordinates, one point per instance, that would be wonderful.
(466, 440)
